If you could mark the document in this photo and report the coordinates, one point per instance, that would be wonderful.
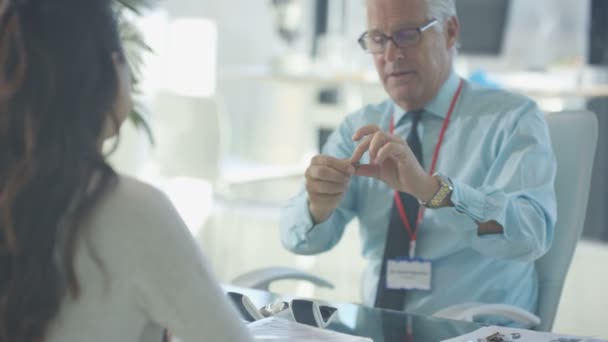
(274, 329)
(502, 334)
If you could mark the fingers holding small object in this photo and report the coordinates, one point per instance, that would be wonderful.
(373, 145)
(365, 131)
(340, 165)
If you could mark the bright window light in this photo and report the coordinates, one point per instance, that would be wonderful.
(192, 57)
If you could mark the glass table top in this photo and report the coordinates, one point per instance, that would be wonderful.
(378, 324)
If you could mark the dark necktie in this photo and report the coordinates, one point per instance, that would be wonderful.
(397, 238)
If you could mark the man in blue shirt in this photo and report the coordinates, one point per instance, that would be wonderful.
(490, 209)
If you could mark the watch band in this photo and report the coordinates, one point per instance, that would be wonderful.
(445, 190)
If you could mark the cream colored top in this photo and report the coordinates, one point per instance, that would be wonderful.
(153, 274)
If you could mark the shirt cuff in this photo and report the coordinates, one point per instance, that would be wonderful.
(476, 204)
(303, 218)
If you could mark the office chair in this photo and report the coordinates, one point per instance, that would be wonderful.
(574, 138)
(262, 278)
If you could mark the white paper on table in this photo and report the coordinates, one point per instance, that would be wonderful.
(480, 335)
(281, 330)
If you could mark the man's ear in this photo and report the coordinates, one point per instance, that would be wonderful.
(452, 32)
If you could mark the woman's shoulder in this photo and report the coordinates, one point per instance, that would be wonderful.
(132, 205)
(128, 188)
(129, 193)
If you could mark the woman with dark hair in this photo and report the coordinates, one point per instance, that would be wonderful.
(85, 254)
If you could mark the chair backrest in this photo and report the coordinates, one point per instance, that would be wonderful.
(574, 136)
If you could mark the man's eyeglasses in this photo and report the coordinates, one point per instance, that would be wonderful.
(375, 42)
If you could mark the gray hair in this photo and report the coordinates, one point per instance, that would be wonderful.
(442, 10)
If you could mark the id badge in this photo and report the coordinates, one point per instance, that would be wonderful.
(408, 274)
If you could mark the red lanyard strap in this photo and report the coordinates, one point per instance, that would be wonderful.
(413, 233)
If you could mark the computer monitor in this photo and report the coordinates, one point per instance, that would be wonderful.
(482, 26)
(598, 33)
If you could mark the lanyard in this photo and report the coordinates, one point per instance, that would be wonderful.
(409, 329)
(413, 233)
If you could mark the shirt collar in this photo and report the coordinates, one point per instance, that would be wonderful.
(440, 104)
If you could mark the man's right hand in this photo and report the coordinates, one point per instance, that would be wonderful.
(327, 180)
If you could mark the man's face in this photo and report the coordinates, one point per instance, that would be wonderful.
(412, 75)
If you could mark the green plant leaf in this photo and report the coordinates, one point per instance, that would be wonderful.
(137, 6)
(134, 47)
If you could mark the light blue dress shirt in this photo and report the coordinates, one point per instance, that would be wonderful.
(498, 154)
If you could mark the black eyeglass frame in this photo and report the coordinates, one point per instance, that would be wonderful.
(418, 31)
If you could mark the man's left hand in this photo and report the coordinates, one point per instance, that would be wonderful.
(393, 162)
